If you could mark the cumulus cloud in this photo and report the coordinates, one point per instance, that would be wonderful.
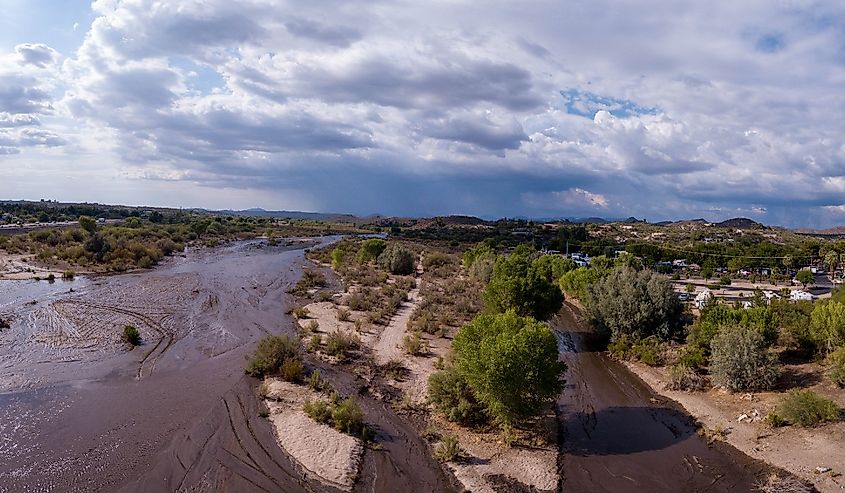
(511, 109)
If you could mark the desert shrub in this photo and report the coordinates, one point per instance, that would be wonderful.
(649, 351)
(68, 275)
(448, 449)
(317, 382)
(5, 323)
(807, 408)
(299, 312)
(339, 343)
(482, 267)
(637, 303)
(471, 255)
(343, 314)
(397, 259)
(740, 360)
(311, 326)
(414, 345)
(131, 335)
(310, 279)
(348, 417)
(827, 325)
(784, 484)
(715, 316)
(271, 354)
(775, 420)
(423, 321)
(682, 377)
(450, 394)
(291, 370)
(319, 410)
(516, 284)
(836, 366)
(691, 357)
(370, 250)
(315, 342)
(511, 363)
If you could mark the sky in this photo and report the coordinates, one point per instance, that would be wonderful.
(542, 108)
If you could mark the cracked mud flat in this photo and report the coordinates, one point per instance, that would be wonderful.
(620, 436)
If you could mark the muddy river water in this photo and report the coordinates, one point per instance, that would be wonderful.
(80, 412)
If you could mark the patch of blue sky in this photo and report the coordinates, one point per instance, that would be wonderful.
(59, 24)
(587, 104)
(198, 77)
(770, 43)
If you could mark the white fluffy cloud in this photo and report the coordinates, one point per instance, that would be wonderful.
(553, 108)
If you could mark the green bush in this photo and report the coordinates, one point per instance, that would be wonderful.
(448, 449)
(649, 351)
(511, 363)
(414, 345)
(397, 259)
(692, 357)
(343, 314)
(339, 343)
(827, 325)
(517, 284)
(806, 408)
(131, 335)
(451, 395)
(299, 312)
(317, 382)
(345, 416)
(319, 410)
(682, 377)
(370, 250)
(740, 360)
(291, 370)
(271, 354)
(348, 417)
(636, 303)
(836, 366)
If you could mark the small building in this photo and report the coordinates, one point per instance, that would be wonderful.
(702, 298)
(800, 295)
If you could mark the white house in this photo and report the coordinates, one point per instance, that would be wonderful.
(800, 295)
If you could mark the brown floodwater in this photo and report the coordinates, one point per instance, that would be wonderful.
(619, 436)
(79, 412)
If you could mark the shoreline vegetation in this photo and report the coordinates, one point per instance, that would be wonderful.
(432, 317)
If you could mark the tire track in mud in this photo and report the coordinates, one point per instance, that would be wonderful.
(150, 357)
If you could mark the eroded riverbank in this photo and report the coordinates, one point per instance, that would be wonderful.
(621, 436)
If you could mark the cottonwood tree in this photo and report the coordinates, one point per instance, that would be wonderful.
(511, 364)
(520, 285)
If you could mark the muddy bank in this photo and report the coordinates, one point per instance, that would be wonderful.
(621, 436)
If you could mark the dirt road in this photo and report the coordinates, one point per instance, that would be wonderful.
(620, 436)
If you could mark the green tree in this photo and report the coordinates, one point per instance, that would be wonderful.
(511, 364)
(554, 267)
(788, 262)
(736, 264)
(517, 284)
(475, 252)
(827, 325)
(337, 258)
(707, 269)
(634, 303)
(370, 250)
(689, 288)
(831, 260)
(576, 282)
(805, 277)
(740, 360)
(88, 223)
